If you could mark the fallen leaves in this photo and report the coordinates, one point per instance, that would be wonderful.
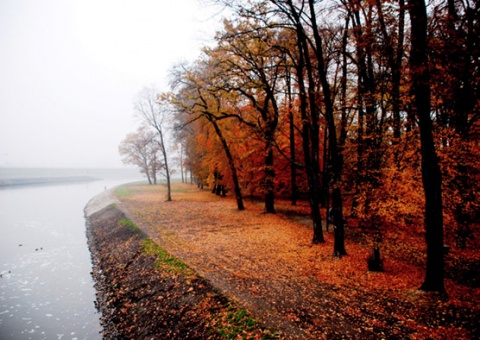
(268, 264)
(139, 301)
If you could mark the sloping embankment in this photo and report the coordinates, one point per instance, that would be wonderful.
(140, 297)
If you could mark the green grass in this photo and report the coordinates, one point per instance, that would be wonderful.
(125, 222)
(165, 261)
(238, 324)
(180, 189)
(122, 191)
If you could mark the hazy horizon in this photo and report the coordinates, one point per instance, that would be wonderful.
(71, 70)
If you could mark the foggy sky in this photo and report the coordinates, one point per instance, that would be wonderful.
(70, 70)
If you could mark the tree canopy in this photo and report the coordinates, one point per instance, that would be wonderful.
(367, 109)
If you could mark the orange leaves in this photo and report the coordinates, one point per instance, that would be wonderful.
(267, 262)
(352, 270)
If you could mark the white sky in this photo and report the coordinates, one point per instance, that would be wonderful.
(70, 70)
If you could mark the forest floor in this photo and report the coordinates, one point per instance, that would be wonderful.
(267, 263)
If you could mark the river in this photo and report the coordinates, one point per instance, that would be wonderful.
(46, 289)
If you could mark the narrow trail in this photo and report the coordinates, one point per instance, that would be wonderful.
(268, 264)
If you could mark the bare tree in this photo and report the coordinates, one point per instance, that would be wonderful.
(153, 108)
(141, 149)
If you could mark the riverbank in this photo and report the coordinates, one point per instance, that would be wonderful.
(143, 292)
(267, 264)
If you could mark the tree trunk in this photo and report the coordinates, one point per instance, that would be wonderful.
(154, 175)
(233, 169)
(336, 157)
(339, 228)
(181, 164)
(343, 93)
(148, 177)
(269, 177)
(431, 175)
(312, 174)
(165, 160)
(310, 150)
(291, 122)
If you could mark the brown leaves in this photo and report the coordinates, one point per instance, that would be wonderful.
(139, 301)
(267, 262)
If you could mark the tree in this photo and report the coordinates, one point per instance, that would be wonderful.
(340, 73)
(431, 175)
(153, 109)
(253, 68)
(455, 59)
(300, 55)
(336, 157)
(198, 98)
(142, 150)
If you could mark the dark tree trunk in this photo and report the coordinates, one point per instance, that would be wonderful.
(343, 98)
(154, 176)
(293, 158)
(148, 177)
(371, 135)
(308, 145)
(335, 155)
(269, 184)
(338, 222)
(214, 188)
(431, 175)
(459, 50)
(231, 163)
(310, 149)
(165, 162)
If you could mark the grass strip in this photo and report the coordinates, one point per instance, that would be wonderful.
(125, 222)
(236, 323)
(165, 261)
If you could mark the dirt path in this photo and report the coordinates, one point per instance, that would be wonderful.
(267, 263)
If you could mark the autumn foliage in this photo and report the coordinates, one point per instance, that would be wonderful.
(364, 115)
(351, 106)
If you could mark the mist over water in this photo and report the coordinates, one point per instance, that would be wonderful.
(46, 290)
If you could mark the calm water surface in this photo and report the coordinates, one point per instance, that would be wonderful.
(46, 290)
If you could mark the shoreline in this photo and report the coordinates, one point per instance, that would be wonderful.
(99, 202)
(138, 297)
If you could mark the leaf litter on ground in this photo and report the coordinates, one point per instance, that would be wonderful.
(268, 264)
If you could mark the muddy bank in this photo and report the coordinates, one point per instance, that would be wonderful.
(138, 300)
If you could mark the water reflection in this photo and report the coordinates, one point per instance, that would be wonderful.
(46, 290)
